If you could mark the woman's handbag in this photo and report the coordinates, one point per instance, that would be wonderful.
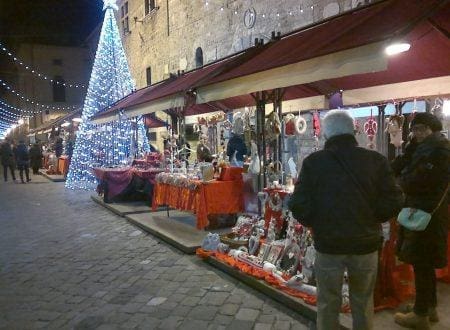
(417, 219)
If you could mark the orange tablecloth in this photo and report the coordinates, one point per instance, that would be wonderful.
(215, 197)
(63, 165)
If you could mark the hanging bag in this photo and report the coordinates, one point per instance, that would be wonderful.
(417, 219)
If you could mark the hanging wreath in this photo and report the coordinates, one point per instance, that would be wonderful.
(300, 125)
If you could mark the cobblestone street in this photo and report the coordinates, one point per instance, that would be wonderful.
(65, 262)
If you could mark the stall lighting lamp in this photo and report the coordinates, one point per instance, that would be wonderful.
(20, 121)
(397, 48)
(65, 124)
(77, 120)
(446, 107)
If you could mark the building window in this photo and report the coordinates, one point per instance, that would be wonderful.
(59, 89)
(149, 6)
(124, 17)
(198, 57)
(57, 61)
(148, 73)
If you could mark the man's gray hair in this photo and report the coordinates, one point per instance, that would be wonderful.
(337, 122)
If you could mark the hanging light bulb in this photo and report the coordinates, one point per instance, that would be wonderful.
(397, 48)
(446, 107)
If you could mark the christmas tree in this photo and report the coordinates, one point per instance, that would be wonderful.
(114, 143)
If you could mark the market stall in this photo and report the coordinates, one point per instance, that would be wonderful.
(205, 199)
(343, 56)
(126, 183)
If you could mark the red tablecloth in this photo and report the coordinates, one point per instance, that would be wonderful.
(119, 178)
(215, 197)
(63, 165)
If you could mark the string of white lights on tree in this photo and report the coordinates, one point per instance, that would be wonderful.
(35, 72)
(110, 144)
(26, 99)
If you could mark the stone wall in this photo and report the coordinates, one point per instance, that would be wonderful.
(166, 39)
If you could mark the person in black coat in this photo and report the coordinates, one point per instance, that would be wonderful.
(344, 193)
(59, 147)
(423, 174)
(36, 157)
(7, 158)
(23, 160)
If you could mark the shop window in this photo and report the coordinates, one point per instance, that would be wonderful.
(198, 57)
(149, 6)
(148, 73)
(59, 89)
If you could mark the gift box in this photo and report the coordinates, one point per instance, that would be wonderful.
(230, 174)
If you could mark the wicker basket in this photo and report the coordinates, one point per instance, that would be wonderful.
(231, 242)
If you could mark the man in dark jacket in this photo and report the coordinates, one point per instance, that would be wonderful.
(344, 193)
(423, 171)
(7, 158)
(36, 157)
(23, 160)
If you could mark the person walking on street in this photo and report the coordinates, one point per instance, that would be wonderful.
(36, 157)
(344, 193)
(23, 160)
(7, 158)
(423, 175)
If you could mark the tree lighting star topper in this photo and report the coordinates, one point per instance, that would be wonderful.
(110, 4)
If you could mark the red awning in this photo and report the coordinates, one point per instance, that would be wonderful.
(425, 24)
(181, 84)
(152, 121)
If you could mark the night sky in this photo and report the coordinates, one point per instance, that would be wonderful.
(59, 22)
(52, 22)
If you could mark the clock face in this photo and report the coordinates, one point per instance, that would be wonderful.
(250, 18)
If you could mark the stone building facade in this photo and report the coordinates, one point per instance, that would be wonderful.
(69, 65)
(163, 36)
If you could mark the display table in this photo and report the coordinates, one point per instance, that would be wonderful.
(214, 197)
(63, 165)
(119, 181)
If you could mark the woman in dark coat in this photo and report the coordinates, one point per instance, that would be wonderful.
(35, 157)
(423, 174)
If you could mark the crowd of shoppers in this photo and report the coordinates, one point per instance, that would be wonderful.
(22, 157)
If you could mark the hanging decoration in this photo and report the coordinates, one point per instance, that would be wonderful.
(49, 107)
(35, 73)
(110, 144)
(394, 126)
(370, 128)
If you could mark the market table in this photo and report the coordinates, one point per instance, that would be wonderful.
(202, 198)
(116, 181)
(63, 165)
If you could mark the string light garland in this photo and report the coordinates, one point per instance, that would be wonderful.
(48, 107)
(110, 144)
(35, 72)
(296, 10)
(22, 111)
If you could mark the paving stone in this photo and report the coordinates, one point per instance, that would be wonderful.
(171, 322)
(156, 301)
(266, 318)
(282, 325)
(247, 314)
(205, 313)
(223, 319)
(262, 326)
(214, 298)
(241, 325)
(189, 324)
(190, 301)
(229, 309)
